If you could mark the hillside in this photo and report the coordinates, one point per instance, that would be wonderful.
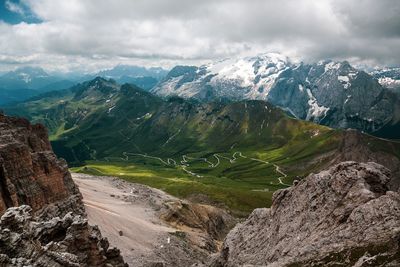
(234, 153)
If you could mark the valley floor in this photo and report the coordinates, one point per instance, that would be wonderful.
(126, 214)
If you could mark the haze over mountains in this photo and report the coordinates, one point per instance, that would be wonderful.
(26, 82)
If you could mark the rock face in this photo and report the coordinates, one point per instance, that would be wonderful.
(30, 173)
(66, 241)
(344, 216)
(43, 220)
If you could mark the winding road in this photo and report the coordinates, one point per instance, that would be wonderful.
(184, 163)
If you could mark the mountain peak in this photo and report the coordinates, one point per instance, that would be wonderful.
(122, 70)
(30, 70)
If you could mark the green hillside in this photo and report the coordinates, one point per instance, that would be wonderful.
(231, 153)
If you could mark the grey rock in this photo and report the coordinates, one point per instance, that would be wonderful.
(345, 216)
(26, 240)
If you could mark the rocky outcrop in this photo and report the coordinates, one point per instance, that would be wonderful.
(66, 241)
(43, 220)
(30, 173)
(358, 147)
(205, 225)
(345, 216)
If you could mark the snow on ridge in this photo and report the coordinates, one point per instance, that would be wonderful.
(332, 66)
(258, 72)
(387, 81)
(345, 81)
(25, 77)
(315, 111)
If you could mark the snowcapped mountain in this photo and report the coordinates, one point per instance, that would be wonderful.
(328, 92)
(388, 77)
(25, 77)
(249, 78)
(26, 82)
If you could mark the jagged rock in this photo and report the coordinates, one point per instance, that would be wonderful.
(345, 216)
(30, 173)
(43, 220)
(355, 146)
(67, 241)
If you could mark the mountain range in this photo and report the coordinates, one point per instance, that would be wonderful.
(329, 93)
(249, 146)
(26, 82)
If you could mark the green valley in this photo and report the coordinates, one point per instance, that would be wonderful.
(233, 154)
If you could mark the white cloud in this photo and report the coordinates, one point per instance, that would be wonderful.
(92, 34)
(14, 7)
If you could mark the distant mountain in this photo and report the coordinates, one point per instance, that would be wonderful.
(329, 93)
(133, 71)
(145, 78)
(25, 82)
(388, 77)
(26, 78)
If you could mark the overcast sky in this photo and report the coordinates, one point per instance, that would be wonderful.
(87, 35)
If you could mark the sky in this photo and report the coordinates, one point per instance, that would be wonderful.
(87, 35)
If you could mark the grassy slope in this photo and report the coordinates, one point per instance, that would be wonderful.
(94, 125)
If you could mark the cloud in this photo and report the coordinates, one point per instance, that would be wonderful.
(14, 7)
(93, 34)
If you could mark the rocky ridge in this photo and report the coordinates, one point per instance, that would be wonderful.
(43, 221)
(344, 216)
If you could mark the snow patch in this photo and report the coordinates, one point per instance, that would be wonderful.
(343, 78)
(110, 109)
(345, 81)
(347, 99)
(25, 77)
(389, 82)
(315, 111)
(332, 66)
